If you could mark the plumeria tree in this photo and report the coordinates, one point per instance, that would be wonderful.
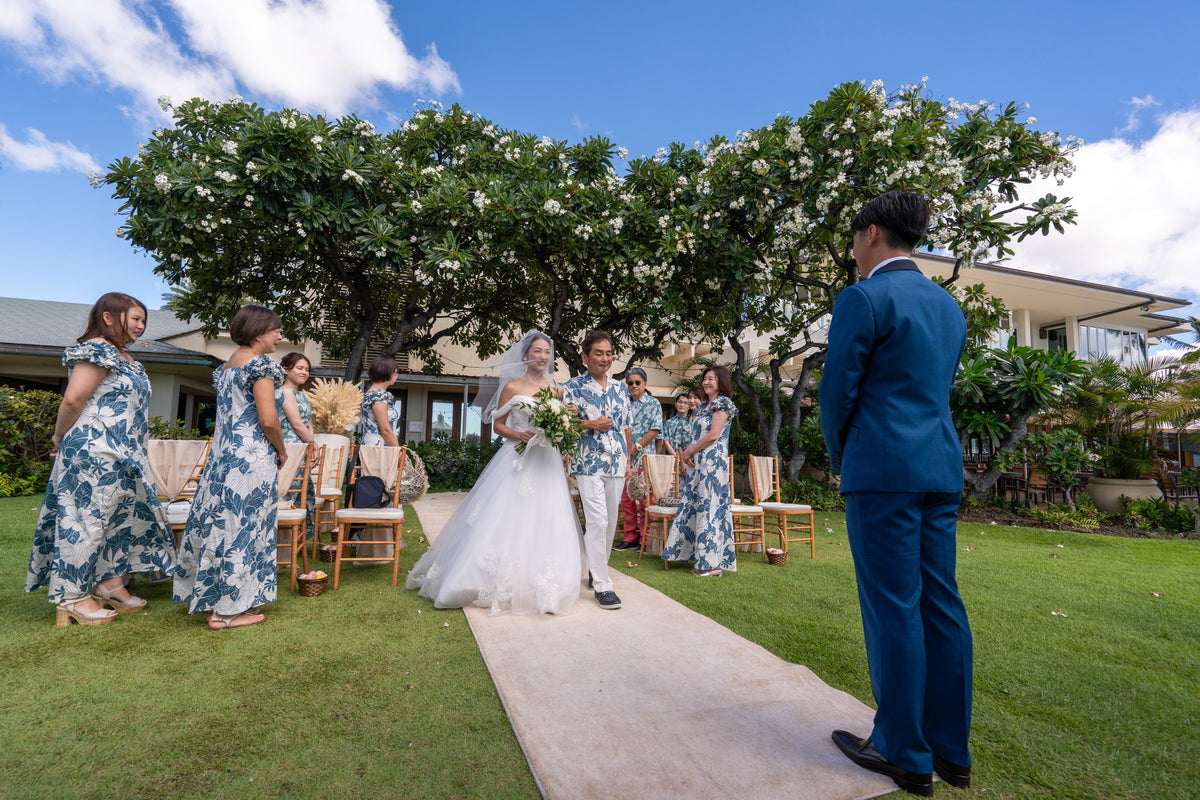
(350, 234)
(764, 219)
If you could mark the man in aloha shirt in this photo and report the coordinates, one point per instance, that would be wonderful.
(647, 423)
(603, 456)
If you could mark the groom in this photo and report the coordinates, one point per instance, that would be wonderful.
(603, 457)
(894, 345)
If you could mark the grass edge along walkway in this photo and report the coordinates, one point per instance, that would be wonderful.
(369, 692)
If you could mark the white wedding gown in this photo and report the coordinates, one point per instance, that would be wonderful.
(514, 543)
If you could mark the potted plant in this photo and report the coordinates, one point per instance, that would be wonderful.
(1119, 409)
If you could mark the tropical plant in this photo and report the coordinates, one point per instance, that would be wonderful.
(1120, 407)
(999, 391)
(1059, 454)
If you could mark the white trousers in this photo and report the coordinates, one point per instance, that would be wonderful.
(601, 498)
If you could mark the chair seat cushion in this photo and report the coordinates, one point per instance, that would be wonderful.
(382, 514)
(739, 508)
(177, 511)
(329, 492)
(290, 515)
(786, 507)
(662, 511)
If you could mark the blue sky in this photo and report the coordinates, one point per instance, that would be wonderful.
(81, 77)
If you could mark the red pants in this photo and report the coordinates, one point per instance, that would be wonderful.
(633, 513)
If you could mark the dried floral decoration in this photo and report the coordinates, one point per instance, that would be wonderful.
(336, 406)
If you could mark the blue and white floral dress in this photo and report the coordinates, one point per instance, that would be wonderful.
(703, 527)
(227, 556)
(370, 428)
(101, 517)
(290, 436)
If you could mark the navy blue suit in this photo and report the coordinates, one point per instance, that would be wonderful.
(894, 345)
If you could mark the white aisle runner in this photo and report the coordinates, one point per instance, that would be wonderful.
(656, 701)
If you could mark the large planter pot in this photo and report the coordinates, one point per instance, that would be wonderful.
(334, 441)
(1107, 491)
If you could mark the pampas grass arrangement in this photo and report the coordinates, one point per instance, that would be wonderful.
(336, 406)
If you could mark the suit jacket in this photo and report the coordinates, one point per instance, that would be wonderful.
(894, 345)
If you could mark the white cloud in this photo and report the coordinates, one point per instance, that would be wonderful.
(578, 124)
(313, 54)
(39, 154)
(1134, 120)
(1139, 214)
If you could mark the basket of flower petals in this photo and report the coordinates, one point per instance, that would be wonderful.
(328, 552)
(312, 583)
(776, 557)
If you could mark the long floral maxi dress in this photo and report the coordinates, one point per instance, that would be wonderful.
(290, 436)
(703, 527)
(227, 555)
(101, 517)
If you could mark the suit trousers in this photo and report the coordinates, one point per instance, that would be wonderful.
(919, 649)
(601, 497)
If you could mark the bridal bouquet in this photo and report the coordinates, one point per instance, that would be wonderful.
(555, 423)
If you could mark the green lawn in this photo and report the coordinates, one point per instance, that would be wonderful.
(368, 692)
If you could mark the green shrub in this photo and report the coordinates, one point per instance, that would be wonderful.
(451, 464)
(1148, 514)
(175, 429)
(1062, 517)
(26, 427)
(821, 496)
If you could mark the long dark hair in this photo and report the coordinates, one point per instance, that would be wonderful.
(115, 304)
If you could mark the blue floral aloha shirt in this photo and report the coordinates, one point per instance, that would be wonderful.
(600, 453)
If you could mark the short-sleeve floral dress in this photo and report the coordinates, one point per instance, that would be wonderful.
(370, 428)
(227, 555)
(703, 527)
(101, 517)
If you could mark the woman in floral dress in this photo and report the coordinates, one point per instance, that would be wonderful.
(295, 416)
(227, 556)
(379, 415)
(101, 519)
(703, 527)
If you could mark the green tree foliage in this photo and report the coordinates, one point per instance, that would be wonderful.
(26, 424)
(760, 225)
(997, 392)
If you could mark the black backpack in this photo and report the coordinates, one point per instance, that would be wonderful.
(370, 492)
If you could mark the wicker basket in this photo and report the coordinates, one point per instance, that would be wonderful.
(312, 588)
(327, 555)
(777, 559)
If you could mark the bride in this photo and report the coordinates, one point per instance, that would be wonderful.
(513, 544)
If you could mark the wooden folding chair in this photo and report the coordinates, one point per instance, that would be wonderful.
(749, 522)
(386, 463)
(292, 513)
(791, 522)
(662, 480)
(329, 491)
(176, 466)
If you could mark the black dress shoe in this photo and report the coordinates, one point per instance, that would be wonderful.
(863, 753)
(952, 774)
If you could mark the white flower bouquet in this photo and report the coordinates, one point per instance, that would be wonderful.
(555, 423)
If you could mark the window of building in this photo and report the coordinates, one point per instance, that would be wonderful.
(1124, 347)
(449, 416)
